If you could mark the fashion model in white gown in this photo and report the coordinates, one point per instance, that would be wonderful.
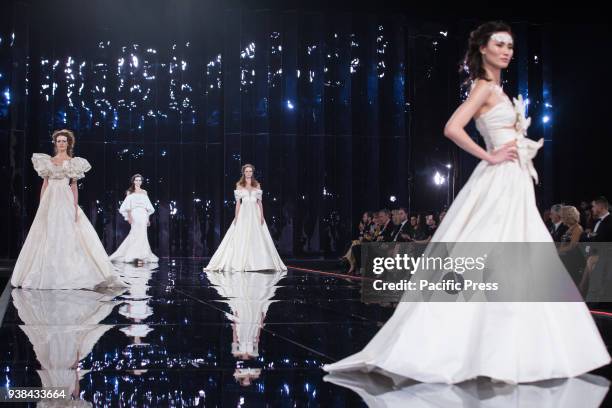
(135, 247)
(508, 341)
(59, 252)
(247, 244)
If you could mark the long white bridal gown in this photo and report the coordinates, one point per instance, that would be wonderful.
(136, 245)
(58, 252)
(508, 341)
(247, 244)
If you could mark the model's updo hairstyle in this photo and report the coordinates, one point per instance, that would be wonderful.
(472, 65)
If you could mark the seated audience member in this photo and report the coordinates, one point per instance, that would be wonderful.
(420, 230)
(366, 228)
(586, 216)
(569, 251)
(557, 228)
(432, 225)
(385, 234)
(402, 231)
(598, 271)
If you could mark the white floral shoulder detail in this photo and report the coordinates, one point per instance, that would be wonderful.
(42, 164)
(77, 167)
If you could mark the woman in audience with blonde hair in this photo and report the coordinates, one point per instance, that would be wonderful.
(569, 251)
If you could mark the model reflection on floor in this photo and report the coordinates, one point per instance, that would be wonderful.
(63, 327)
(248, 295)
(586, 391)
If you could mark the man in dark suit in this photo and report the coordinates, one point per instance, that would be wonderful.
(432, 225)
(557, 228)
(402, 232)
(386, 233)
(599, 261)
(602, 231)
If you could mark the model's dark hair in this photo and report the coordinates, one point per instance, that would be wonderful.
(132, 186)
(472, 64)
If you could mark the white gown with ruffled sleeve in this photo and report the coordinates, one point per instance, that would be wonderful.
(58, 252)
(136, 244)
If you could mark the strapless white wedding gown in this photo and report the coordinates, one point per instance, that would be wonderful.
(247, 244)
(509, 341)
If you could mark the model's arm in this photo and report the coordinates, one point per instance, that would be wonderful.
(150, 210)
(261, 214)
(126, 208)
(237, 211)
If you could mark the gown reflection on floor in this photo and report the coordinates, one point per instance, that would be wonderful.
(249, 295)
(586, 391)
(136, 307)
(62, 326)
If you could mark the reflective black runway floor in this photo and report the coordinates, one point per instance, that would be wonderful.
(250, 339)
